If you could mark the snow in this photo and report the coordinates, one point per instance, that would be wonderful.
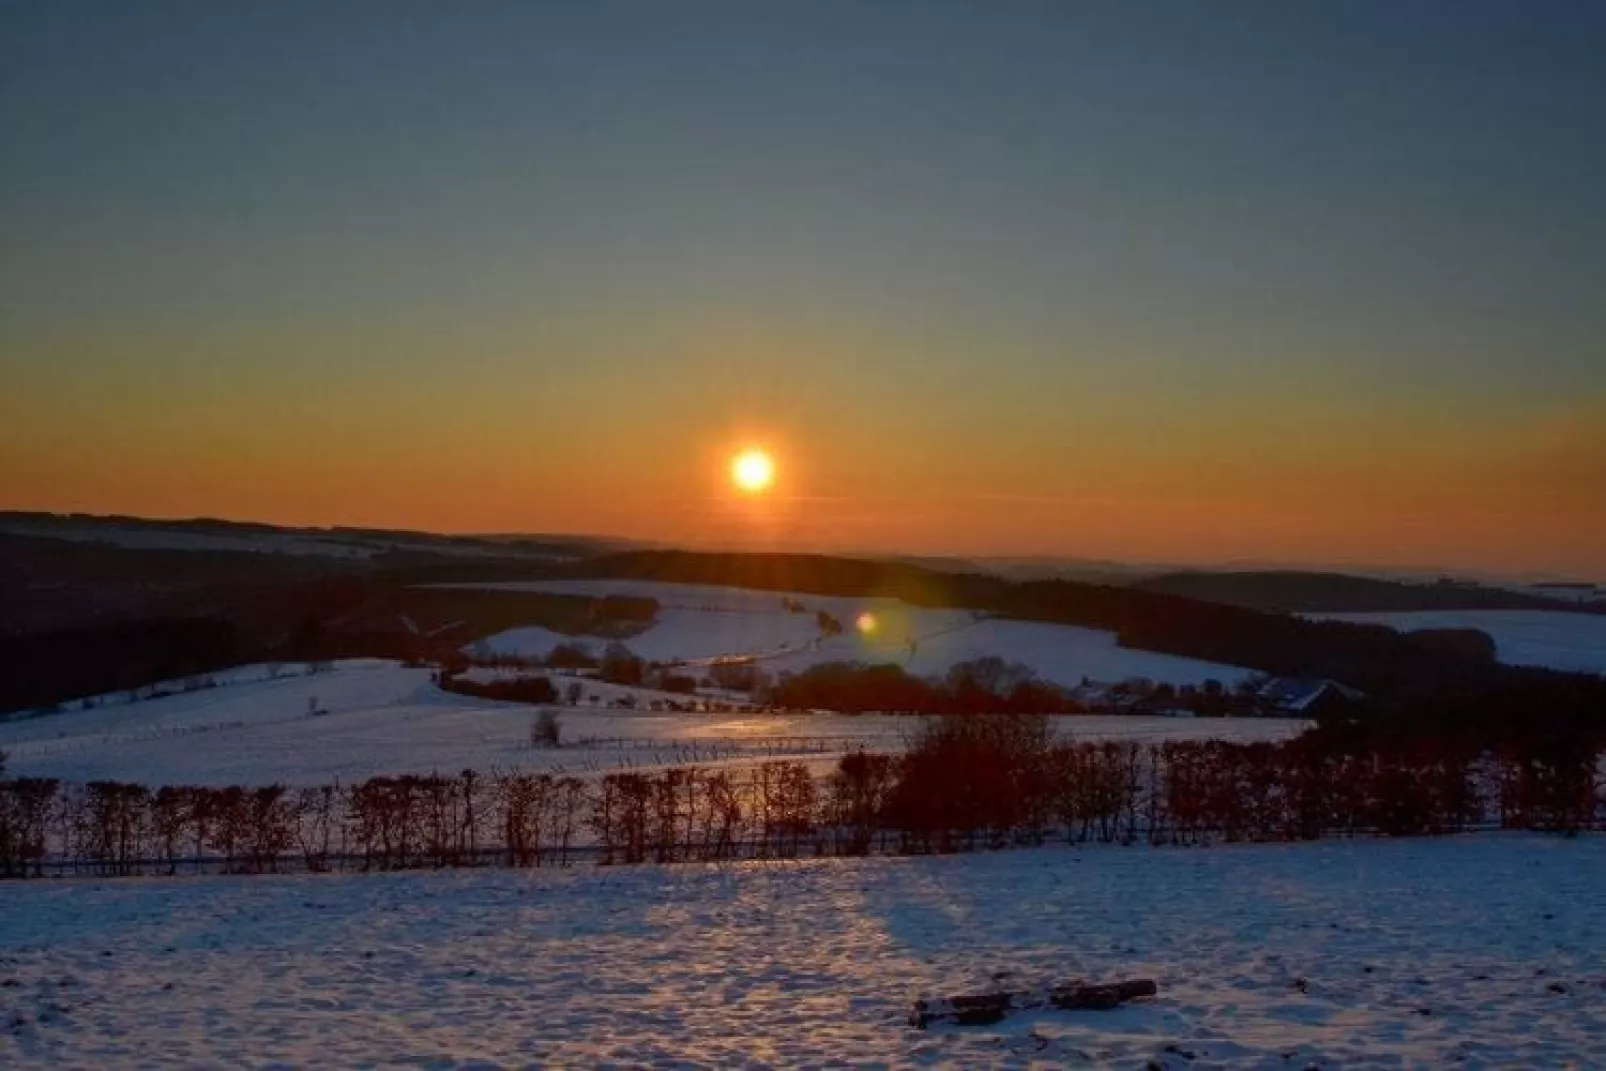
(1063, 654)
(701, 623)
(1554, 639)
(199, 685)
(380, 717)
(1478, 951)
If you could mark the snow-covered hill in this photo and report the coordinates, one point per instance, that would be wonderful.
(700, 623)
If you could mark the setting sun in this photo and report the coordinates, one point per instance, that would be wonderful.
(753, 471)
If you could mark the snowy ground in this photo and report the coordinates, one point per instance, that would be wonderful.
(1551, 638)
(1480, 951)
(380, 717)
(699, 623)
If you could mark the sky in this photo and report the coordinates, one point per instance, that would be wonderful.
(1273, 281)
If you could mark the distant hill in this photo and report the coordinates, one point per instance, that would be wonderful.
(99, 616)
(1335, 593)
(1373, 658)
(1088, 570)
(100, 604)
(209, 534)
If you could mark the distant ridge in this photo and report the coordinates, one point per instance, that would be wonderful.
(1295, 591)
(210, 533)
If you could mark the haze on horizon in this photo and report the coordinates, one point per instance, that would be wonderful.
(1285, 282)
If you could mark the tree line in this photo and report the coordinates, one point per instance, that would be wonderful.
(988, 685)
(964, 783)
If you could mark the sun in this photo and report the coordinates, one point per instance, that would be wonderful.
(753, 471)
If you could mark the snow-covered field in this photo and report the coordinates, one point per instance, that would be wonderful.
(1482, 951)
(1554, 639)
(381, 717)
(699, 623)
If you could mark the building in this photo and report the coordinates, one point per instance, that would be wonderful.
(1306, 697)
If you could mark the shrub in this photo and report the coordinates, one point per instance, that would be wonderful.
(547, 729)
(671, 682)
(736, 676)
(538, 690)
(620, 666)
(858, 797)
(854, 688)
(962, 775)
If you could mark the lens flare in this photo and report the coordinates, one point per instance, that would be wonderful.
(866, 624)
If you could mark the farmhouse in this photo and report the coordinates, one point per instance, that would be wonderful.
(1306, 697)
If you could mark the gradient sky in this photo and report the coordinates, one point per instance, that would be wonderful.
(1275, 281)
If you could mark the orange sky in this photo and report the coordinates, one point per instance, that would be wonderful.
(1126, 281)
(1096, 480)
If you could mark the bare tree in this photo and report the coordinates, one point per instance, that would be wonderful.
(547, 729)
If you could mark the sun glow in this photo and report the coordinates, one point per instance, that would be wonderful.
(753, 471)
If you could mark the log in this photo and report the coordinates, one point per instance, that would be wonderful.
(982, 1009)
(977, 1010)
(1101, 997)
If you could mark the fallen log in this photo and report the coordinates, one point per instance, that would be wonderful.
(982, 1009)
(1101, 997)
